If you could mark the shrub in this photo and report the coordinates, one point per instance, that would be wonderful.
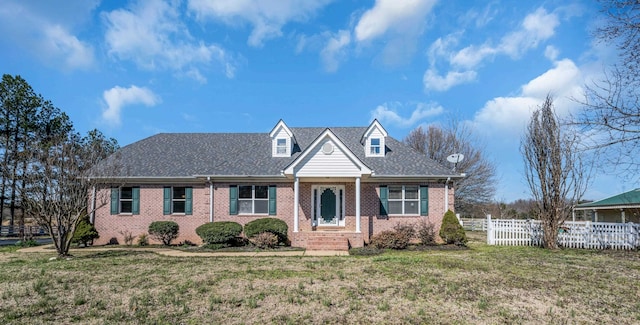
(389, 239)
(451, 231)
(164, 231)
(85, 232)
(272, 225)
(220, 232)
(143, 240)
(265, 240)
(128, 237)
(426, 233)
(405, 231)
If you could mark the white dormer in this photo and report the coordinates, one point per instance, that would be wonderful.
(282, 140)
(373, 140)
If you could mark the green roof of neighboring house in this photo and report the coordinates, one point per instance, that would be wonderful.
(627, 198)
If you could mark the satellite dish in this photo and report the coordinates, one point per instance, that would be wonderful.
(455, 159)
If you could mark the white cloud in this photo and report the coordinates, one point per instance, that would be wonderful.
(506, 117)
(152, 35)
(392, 15)
(388, 113)
(433, 81)
(267, 17)
(45, 31)
(535, 28)
(551, 52)
(118, 97)
(334, 51)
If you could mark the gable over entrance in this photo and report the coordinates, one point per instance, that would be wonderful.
(327, 156)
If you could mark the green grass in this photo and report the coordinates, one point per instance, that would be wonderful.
(483, 284)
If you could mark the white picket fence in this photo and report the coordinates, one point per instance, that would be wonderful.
(474, 224)
(572, 234)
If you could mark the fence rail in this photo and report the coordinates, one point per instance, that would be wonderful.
(572, 234)
(8, 231)
(474, 224)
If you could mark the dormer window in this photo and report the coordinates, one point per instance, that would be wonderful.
(375, 147)
(373, 140)
(282, 140)
(281, 147)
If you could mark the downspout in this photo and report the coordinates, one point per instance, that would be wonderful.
(210, 198)
(446, 194)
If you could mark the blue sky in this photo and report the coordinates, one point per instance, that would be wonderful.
(136, 68)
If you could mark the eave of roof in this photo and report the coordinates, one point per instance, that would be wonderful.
(627, 199)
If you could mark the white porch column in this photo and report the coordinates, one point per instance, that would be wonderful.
(622, 215)
(296, 200)
(595, 215)
(357, 204)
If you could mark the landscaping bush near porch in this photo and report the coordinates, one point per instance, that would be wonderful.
(451, 231)
(272, 225)
(219, 233)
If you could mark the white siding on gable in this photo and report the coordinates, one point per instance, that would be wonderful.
(374, 134)
(320, 164)
(281, 133)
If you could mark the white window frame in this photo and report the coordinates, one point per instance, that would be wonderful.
(174, 199)
(281, 149)
(375, 150)
(121, 199)
(253, 200)
(404, 200)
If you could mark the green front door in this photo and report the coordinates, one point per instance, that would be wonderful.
(328, 208)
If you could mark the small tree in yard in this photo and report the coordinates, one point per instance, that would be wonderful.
(164, 231)
(451, 231)
(554, 170)
(85, 232)
(62, 177)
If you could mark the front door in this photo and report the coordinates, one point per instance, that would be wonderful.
(329, 205)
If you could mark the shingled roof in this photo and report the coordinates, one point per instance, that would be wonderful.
(249, 154)
(631, 198)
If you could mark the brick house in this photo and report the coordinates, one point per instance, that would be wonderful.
(334, 187)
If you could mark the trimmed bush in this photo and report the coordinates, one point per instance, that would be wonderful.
(85, 232)
(389, 239)
(272, 225)
(451, 231)
(219, 232)
(265, 240)
(426, 233)
(164, 231)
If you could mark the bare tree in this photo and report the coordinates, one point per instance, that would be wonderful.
(554, 169)
(437, 143)
(61, 181)
(612, 105)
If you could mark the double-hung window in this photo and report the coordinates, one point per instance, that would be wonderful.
(253, 199)
(178, 200)
(281, 146)
(404, 200)
(375, 146)
(125, 200)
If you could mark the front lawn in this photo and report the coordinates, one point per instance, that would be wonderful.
(483, 284)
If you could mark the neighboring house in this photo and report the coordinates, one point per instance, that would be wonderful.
(333, 186)
(624, 207)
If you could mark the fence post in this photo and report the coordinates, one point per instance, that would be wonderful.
(490, 239)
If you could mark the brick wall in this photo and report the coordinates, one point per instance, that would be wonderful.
(151, 198)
